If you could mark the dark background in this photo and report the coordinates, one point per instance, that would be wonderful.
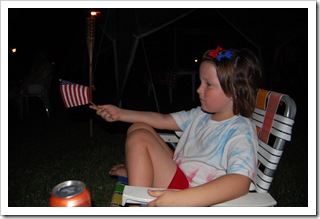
(277, 35)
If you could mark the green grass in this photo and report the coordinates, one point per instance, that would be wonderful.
(44, 152)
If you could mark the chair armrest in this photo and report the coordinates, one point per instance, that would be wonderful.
(252, 199)
(139, 195)
(169, 137)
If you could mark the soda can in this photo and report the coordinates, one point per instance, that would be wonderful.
(70, 193)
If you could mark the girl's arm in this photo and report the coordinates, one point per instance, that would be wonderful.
(112, 113)
(223, 189)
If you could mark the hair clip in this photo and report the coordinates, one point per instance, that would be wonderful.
(218, 54)
(227, 54)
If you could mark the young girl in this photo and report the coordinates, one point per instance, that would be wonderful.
(216, 157)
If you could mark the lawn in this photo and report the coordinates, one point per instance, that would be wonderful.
(44, 152)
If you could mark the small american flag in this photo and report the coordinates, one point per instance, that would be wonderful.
(74, 94)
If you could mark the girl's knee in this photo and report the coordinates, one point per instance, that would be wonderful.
(139, 126)
(139, 135)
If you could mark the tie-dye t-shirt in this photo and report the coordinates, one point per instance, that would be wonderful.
(209, 149)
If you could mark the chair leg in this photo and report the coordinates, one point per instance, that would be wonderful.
(47, 104)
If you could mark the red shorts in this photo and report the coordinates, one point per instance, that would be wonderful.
(179, 180)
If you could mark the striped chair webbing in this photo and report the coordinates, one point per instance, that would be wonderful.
(267, 118)
(268, 157)
(268, 101)
(116, 200)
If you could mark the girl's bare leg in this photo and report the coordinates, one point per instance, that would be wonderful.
(148, 158)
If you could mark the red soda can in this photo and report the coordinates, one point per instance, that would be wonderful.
(70, 193)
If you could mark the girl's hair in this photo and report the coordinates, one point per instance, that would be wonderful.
(239, 76)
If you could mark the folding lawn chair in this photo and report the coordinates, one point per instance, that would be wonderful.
(274, 117)
(37, 90)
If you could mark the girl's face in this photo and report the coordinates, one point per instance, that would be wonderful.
(212, 97)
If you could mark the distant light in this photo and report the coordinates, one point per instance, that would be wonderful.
(196, 60)
(95, 13)
(14, 50)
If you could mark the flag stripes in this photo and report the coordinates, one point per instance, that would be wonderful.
(74, 94)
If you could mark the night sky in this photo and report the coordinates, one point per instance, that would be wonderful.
(45, 27)
(53, 30)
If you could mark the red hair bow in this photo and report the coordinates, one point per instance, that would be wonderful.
(215, 52)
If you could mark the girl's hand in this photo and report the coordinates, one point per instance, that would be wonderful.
(164, 198)
(109, 113)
